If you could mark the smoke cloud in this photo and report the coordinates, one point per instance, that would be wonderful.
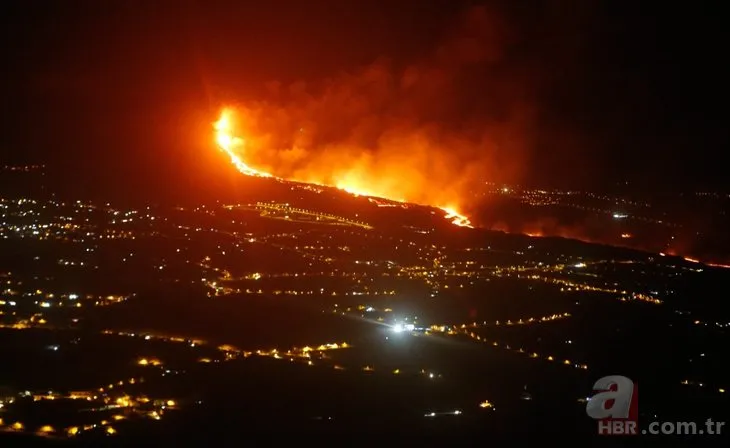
(424, 132)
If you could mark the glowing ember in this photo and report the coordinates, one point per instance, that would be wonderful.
(234, 146)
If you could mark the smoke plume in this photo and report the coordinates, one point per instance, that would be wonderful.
(424, 132)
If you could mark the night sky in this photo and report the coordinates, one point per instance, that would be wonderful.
(119, 95)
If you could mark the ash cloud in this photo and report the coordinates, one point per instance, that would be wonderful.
(424, 132)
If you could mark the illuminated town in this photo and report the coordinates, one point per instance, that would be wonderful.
(389, 295)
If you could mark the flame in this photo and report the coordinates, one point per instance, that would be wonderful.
(234, 147)
(456, 218)
(230, 144)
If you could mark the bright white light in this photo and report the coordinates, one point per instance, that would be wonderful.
(410, 327)
(580, 265)
(398, 328)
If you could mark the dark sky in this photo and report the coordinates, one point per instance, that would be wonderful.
(120, 94)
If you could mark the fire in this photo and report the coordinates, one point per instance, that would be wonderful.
(230, 144)
(456, 218)
(353, 182)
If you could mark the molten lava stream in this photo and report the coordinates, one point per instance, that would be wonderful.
(229, 143)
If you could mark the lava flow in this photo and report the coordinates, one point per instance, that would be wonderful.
(235, 147)
(229, 143)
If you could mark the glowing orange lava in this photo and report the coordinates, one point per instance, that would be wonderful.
(719, 265)
(235, 148)
(456, 218)
(231, 144)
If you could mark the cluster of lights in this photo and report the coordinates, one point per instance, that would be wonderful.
(103, 399)
(641, 298)
(577, 200)
(703, 323)
(311, 354)
(571, 286)
(359, 310)
(438, 414)
(272, 209)
(22, 168)
(14, 304)
(221, 290)
(76, 222)
(497, 323)
(700, 384)
(50, 300)
(520, 350)
(217, 290)
(154, 362)
(107, 399)
(231, 352)
(219, 287)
